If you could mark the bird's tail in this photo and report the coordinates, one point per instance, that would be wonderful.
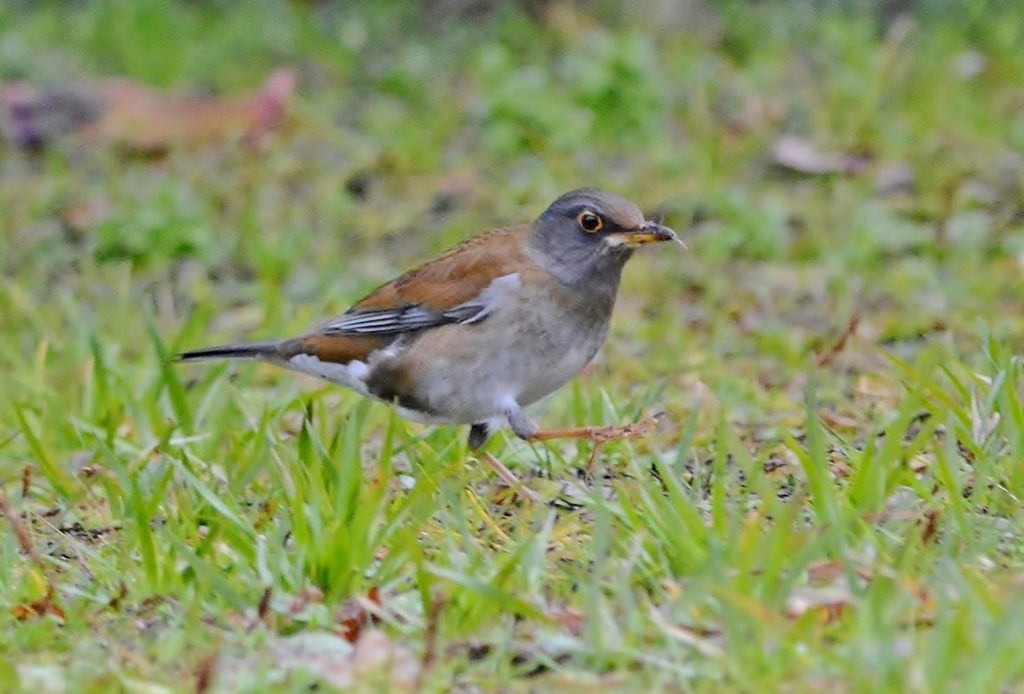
(267, 350)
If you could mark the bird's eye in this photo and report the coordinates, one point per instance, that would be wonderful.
(589, 222)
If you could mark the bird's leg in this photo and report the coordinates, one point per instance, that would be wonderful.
(478, 434)
(635, 430)
(527, 429)
(522, 426)
(477, 437)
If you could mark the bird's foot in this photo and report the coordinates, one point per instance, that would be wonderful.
(635, 430)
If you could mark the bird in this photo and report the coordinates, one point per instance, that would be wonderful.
(484, 330)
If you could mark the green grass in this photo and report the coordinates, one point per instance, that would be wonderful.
(847, 526)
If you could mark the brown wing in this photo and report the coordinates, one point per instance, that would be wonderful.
(456, 276)
(444, 290)
(429, 295)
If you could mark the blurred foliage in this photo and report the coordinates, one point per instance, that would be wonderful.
(836, 353)
(566, 99)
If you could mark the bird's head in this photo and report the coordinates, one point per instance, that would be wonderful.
(591, 231)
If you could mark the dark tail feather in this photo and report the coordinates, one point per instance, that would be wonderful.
(246, 350)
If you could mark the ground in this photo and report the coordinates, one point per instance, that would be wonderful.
(829, 504)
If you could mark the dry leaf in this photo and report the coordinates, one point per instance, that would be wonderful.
(353, 615)
(828, 602)
(570, 618)
(839, 468)
(306, 596)
(39, 608)
(145, 119)
(826, 570)
(834, 419)
(139, 118)
(799, 155)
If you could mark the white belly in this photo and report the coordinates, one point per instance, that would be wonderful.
(486, 366)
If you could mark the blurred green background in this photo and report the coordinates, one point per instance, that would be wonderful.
(832, 503)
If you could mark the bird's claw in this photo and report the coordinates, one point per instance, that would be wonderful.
(634, 430)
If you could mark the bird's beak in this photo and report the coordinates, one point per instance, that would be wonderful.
(648, 232)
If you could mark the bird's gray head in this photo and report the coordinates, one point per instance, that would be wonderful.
(587, 235)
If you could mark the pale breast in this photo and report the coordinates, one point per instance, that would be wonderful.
(532, 343)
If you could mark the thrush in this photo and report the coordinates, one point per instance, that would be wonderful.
(484, 330)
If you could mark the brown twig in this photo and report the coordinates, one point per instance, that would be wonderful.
(263, 609)
(205, 673)
(429, 641)
(931, 526)
(21, 532)
(47, 605)
(830, 356)
(593, 456)
(26, 481)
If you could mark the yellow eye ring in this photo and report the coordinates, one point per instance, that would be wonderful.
(589, 222)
